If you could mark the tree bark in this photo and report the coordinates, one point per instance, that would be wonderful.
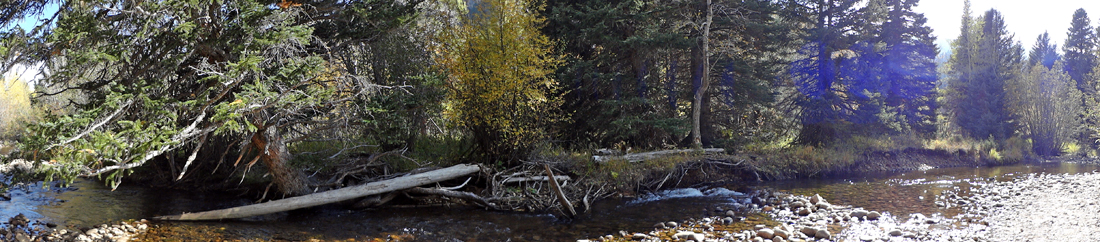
(332, 196)
(275, 156)
(697, 105)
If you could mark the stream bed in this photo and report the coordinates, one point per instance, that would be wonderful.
(89, 203)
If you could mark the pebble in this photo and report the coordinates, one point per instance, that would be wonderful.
(671, 224)
(639, 236)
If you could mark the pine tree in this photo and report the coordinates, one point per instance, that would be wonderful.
(1043, 52)
(1079, 50)
(999, 60)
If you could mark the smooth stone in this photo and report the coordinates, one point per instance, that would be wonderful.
(822, 234)
(859, 214)
(779, 239)
(873, 215)
(766, 233)
(731, 213)
(823, 205)
(671, 224)
(797, 204)
(804, 211)
(759, 227)
(895, 233)
(808, 231)
(639, 236)
(727, 220)
(782, 233)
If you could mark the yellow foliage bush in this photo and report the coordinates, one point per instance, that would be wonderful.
(15, 106)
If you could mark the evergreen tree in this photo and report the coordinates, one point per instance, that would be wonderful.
(999, 60)
(1043, 52)
(1079, 50)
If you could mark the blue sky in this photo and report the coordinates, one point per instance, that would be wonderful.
(1027, 19)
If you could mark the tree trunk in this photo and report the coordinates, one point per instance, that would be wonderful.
(332, 196)
(275, 156)
(697, 105)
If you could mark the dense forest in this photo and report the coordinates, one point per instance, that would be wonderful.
(200, 91)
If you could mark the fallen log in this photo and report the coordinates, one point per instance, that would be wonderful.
(557, 191)
(331, 196)
(535, 179)
(636, 157)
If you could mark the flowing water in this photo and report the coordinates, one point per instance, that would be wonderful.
(89, 203)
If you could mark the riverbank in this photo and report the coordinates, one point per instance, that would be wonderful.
(1013, 206)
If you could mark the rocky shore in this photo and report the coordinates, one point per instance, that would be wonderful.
(1034, 207)
(20, 229)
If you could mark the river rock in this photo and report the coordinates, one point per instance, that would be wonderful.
(660, 226)
(822, 234)
(823, 205)
(779, 233)
(804, 211)
(797, 204)
(686, 235)
(766, 233)
(639, 236)
(873, 215)
(817, 199)
(808, 231)
(727, 220)
(671, 224)
(895, 232)
(859, 214)
(779, 239)
(731, 213)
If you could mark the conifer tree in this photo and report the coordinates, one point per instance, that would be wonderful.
(1079, 50)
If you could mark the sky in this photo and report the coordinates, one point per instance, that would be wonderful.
(1027, 19)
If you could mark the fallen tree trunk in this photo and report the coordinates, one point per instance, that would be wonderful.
(534, 179)
(332, 196)
(636, 157)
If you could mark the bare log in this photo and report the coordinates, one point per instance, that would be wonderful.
(331, 196)
(535, 179)
(455, 194)
(557, 190)
(636, 157)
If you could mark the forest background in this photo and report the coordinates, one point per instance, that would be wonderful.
(177, 89)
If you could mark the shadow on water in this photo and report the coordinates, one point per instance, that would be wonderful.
(89, 203)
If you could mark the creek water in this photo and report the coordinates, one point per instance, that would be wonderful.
(89, 203)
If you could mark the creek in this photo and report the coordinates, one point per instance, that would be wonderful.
(89, 203)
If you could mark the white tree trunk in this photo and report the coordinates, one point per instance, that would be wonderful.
(332, 196)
